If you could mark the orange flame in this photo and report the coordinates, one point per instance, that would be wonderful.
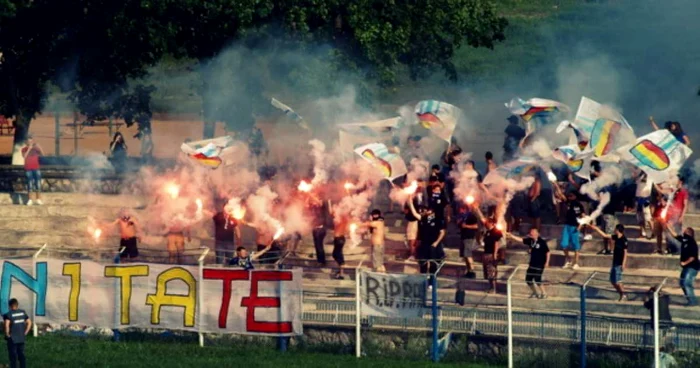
(279, 233)
(411, 188)
(96, 234)
(470, 199)
(348, 185)
(304, 187)
(173, 190)
(238, 213)
(200, 205)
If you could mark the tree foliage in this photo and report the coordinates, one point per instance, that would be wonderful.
(92, 48)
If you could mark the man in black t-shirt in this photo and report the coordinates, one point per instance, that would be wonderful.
(619, 257)
(431, 230)
(570, 232)
(438, 202)
(469, 226)
(17, 326)
(489, 259)
(689, 261)
(226, 235)
(539, 260)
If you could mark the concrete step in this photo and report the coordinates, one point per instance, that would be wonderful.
(77, 199)
(691, 219)
(634, 261)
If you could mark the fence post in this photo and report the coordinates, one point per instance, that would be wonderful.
(509, 298)
(583, 320)
(35, 329)
(200, 296)
(117, 260)
(434, 283)
(358, 311)
(657, 337)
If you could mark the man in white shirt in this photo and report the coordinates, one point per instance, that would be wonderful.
(643, 200)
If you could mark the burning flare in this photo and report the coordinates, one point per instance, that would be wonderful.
(304, 187)
(200, 205)
(96, 234)
(173, 190)
(238, 213)
(470, 199)
(353, 228)
(411, 188)
(279, 233)
(552, 177)
(348, 185)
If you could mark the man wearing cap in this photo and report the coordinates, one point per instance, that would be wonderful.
(17, 326)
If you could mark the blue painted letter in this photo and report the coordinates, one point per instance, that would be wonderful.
(36, 285)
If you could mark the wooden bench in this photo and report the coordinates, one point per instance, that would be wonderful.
(6, 126)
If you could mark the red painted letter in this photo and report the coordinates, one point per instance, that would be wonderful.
(227, 276)
(254, 301)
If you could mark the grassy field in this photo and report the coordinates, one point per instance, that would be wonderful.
(68, 351)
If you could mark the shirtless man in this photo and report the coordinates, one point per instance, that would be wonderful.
(176, 241)
(128, 230)
(377, 229)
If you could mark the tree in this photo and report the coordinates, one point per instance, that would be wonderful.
(89, 48)
(376, 36)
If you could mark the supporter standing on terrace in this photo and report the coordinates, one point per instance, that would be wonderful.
(570, 232)
(514, 134)
(469, 226)
(31, 153)
(439, 203)
(689, 262)
(492, 237)
(318, 221)
(619, 257)
(659, 225)
(431, 231)
(226, 235)
(491, 164)
(128, 231)
(341, 224)
(534, 202)
(643, 203)
(609, 222)
(539, 260)
(377, 229)
(677, 208)
(418, 200)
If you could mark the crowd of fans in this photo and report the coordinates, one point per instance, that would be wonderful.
(660, 210)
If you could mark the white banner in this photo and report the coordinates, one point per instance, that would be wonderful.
(258, 302)
(392, 295)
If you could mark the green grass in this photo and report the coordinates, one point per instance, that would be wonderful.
(68, 351)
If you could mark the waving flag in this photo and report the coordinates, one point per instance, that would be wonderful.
(578, 162)
(289, 112)
(589, 112)
(535, 110)
(389, 164)
(513, 169)
(353, 135)
(438, 117)
(659, 154)
(605, 137)
(207, 152)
